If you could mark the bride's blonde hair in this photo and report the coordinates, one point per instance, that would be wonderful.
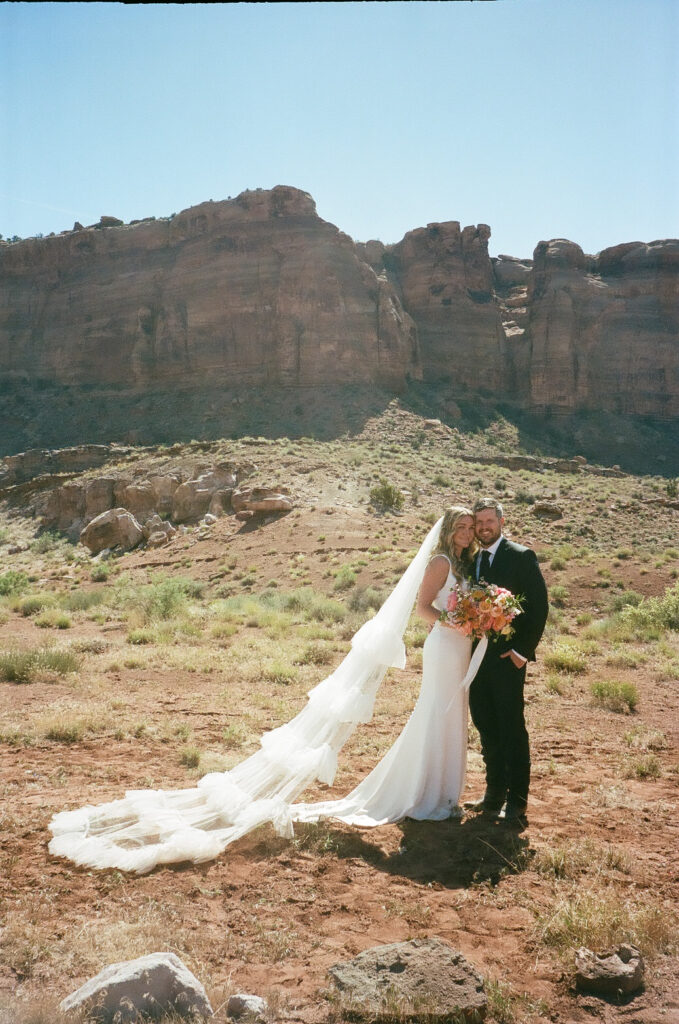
(445, 546)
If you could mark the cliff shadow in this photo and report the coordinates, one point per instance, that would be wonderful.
(55, 417)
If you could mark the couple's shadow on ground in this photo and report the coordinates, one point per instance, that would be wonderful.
(456, 854)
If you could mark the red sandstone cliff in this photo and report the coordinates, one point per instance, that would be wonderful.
(260, 291)
(604, 330)
(255, 290)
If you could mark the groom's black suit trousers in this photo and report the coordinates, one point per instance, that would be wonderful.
(496, 707)
(496, 694)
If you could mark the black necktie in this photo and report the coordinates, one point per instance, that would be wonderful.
(484, 568)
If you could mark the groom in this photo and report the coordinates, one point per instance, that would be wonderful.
(496, 694)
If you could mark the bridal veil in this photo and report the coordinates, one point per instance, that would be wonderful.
(151, 827)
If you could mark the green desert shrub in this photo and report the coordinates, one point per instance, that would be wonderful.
(316, 653)
(47, 541)
(558, 595)
(52, 618)
(386, 497)
(12, 583)
(625, 599)
(190, 757)
(615, 696)
(345, 578)
(165, 598)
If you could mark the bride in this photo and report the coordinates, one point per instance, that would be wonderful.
(421, 776)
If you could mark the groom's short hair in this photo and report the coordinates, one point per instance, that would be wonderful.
(493, 503)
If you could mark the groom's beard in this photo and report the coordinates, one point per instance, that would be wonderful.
(487, 538)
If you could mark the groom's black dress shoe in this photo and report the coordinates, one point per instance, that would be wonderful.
(489, 808)
(515, 819)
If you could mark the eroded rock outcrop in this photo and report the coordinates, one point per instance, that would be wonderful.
(181, 494)
(446, 279)
(258, 289)
(604, 330)
(160, 326)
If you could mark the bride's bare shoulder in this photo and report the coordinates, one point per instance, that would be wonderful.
(440, 562)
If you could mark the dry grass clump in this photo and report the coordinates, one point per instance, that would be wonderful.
(602, 918)
(643, 766)
(52, 618)
(30, 945)
(567, 658)
(32, 604)
(505, 1006)
(644, 738)
(27, 666)
(574, 858)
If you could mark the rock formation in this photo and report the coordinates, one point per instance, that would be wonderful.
(255, 290)
(604, 330)
(122, 325)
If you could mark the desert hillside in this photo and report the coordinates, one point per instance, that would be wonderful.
(150, 667)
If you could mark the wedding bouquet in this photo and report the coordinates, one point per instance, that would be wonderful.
(482, 609)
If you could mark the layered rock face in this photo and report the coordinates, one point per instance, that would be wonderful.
(604, 330)
(153, 319)
(447, 285)
(257, 290)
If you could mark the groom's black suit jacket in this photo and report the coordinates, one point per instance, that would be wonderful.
(516, 568)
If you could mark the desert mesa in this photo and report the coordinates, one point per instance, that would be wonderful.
(261, 291)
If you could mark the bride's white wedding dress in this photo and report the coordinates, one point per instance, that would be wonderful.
(422, 774)
(420, 777)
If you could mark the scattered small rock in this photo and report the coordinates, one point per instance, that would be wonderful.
(609, 973)
(260, 499)
(546, 510)
(16, 549)
(250, 1007)
(154, 984)
(157, 539)
(157, 525)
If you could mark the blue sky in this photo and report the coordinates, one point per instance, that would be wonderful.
(542, 118)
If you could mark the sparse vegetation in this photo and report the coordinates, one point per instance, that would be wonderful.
(202, 656)
(13, 582)
(386, 497)
(567, 658)
(614, 695)
(26, 666)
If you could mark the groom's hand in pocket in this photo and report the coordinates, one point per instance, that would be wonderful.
(518, 661)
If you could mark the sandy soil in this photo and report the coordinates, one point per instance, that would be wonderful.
(271, 916)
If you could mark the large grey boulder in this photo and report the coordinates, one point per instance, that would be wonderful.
(116, 528)
(423, 977)
(153, 985)
(614, 972)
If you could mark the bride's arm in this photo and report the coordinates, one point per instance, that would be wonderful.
(435, 576)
